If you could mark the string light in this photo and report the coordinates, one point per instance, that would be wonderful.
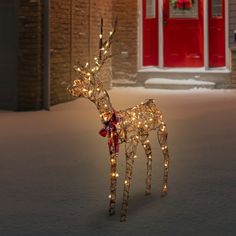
(130, 126)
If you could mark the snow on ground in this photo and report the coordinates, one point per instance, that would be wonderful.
(54, 169)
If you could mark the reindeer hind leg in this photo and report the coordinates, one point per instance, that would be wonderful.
(148, 151)
(162, 138)
(130, 152)
(113, 183)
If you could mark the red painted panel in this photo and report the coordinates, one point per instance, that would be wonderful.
(216, 34)
(183, 39)
(150, 37)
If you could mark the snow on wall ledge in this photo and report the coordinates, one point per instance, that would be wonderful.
(178, 84)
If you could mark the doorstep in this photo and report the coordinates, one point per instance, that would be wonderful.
(221, 77)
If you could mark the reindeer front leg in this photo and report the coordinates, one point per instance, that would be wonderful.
(130, 152)
(114, 175)
(162, 138)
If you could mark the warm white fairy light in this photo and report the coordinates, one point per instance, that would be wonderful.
(115, 175)
(130, 126)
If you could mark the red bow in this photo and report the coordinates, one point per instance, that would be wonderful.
(110, 130)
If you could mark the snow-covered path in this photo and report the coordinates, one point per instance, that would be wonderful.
(54, 169)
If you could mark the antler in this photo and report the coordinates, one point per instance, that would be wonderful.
(104, 54)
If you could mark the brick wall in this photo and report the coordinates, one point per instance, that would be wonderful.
(100, 9)
(75, 26)
(74, 29)
(125, 63)
(80, 32)
(232, 43)
(29, 84)
(233, 68)
(61, 49)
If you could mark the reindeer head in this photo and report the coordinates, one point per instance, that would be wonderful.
(88, 84)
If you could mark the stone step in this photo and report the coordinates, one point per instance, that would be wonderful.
(164, 83)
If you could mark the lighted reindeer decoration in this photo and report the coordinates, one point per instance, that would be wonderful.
(129, 126)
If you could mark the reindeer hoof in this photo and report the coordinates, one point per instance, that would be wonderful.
(163, 194)
(123, 218)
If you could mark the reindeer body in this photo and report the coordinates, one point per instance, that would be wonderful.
(141, 118)
(130, 126)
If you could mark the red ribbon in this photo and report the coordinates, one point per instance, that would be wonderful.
(110, 130)
(184, 4)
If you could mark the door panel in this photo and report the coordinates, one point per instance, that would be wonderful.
(183, 35)
(150, 32)
(216, 33)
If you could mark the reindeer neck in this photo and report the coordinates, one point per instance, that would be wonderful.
(102, 101)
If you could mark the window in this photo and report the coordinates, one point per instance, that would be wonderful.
(216, 8)
(150, 9)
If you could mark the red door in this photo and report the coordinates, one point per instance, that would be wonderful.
(183, 33)
(150, 32)
(216, 33)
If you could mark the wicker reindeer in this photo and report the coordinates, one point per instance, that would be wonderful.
(130, 126)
